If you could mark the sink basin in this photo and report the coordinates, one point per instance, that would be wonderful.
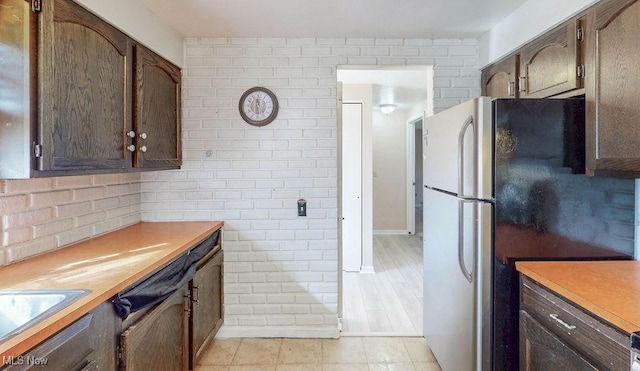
(21, 309)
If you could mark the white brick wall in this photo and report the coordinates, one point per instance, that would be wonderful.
(280, 269)
(39, 215)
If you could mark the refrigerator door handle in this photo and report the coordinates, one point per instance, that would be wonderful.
(463, 267)
(469, 122)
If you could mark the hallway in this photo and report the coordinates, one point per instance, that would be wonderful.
(388, 302)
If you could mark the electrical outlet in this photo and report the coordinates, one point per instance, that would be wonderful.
(302, 207)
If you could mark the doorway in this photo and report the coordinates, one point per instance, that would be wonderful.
(414, 175)
(384, 296)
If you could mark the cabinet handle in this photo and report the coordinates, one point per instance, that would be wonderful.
(91, 365)
(131, 148)
(522, 84)
(131, 134)
(563, 323)
(143, 135)
(143, 149)
(195, 295)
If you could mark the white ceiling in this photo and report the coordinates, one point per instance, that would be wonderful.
(340, 19)
(332, 18)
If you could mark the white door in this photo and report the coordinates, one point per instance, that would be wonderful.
(351, 187)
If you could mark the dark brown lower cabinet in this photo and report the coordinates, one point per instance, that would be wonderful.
(542, 350)
(103, 333)
(86, 344)
(71, 349)
(556, 334)
(170, 335)
(156, 339)
(207, 304)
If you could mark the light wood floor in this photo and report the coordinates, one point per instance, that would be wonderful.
(388, 302)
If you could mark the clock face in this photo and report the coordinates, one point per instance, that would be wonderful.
(258, 106)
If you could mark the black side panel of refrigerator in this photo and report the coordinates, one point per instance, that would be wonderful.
(545, 207)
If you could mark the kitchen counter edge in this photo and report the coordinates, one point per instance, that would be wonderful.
(157, 242)
(607, 289)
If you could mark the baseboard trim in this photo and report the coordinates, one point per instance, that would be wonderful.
(391, 231)
(380, 334)
(227, 332)
(367, 269)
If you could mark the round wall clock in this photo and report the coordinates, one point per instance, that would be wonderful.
(258, 106)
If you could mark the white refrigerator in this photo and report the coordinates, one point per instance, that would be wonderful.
(504, 180)
(458, 208)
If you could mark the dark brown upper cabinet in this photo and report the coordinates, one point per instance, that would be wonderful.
(83, 91)
(552, 64)
(156, 117)
(499, 80)
(98, 101)
(613, 88)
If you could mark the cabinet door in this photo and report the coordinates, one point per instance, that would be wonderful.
(499, 80)
(157, 341)
(552, 64)
(68, 350)
(613, 88)
(104, 334)
(83, 90)
(156, 111)
(541, 350)
(207, 308)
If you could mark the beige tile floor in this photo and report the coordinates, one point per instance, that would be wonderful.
(344, 354)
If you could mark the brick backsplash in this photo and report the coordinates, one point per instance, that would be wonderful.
(280, 269)
(39, 215)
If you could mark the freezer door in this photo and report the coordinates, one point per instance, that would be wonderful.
(450, 313)
(458, 150)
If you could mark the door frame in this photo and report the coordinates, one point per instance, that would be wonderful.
(339, 204)
(411, 171)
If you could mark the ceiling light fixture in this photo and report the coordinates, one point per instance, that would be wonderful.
(387, 108)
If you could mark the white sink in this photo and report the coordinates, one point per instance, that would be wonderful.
(21, 309)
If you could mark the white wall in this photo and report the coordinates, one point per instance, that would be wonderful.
(43, 214)
(280, 270)
(532, 19)
(389, 171)
(137, 21)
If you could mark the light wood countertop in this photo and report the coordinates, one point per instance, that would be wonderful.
(105, 265)
(608, 289)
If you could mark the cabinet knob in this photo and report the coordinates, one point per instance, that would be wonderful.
(143, 149)
(131, 134)
(131, 148)
(143, 135)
